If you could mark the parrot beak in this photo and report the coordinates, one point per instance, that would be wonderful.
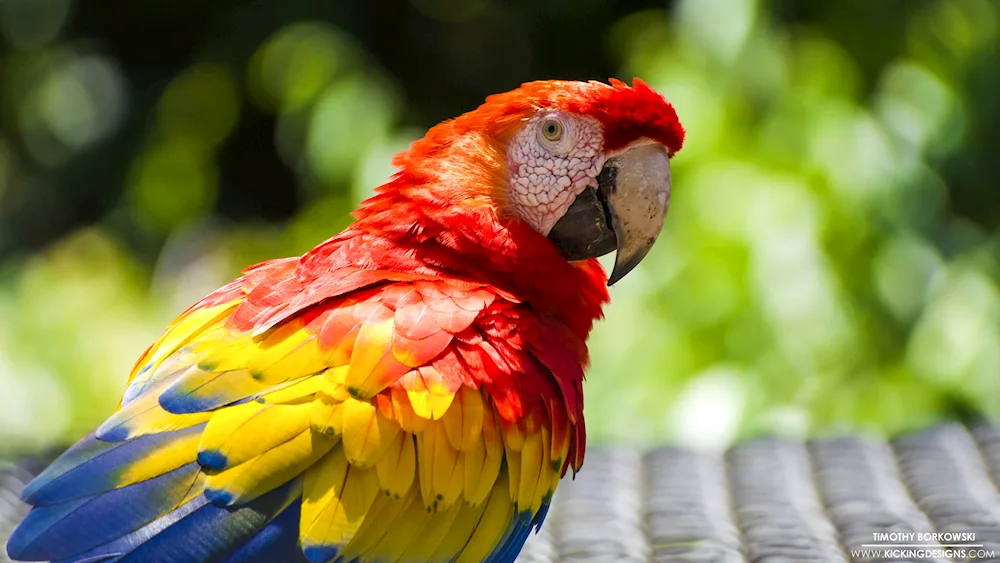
(624, 213)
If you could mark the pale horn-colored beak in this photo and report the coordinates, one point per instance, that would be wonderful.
(625, 212)
(638, 204)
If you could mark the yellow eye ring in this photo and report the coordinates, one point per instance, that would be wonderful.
(552, 130)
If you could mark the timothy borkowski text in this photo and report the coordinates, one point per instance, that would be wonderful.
(924, 537)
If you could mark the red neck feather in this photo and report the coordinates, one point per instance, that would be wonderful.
(419, 232)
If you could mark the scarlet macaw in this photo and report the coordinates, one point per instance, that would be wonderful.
(408, 390)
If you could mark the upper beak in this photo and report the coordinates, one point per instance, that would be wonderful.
(625, 211)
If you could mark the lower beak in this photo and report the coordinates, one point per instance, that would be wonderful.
(624, 213)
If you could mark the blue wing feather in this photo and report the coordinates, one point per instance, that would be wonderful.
(93, 466)
(210, 531)
(278, 542)
(118, 547)
(61, 530)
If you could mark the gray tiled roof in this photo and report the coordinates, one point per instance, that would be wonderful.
(764, 501)
(772, 500)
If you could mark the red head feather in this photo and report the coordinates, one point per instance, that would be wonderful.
(627, 114)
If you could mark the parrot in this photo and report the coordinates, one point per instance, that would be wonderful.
(409, 390)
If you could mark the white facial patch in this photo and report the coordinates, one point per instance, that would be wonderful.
(552, 159)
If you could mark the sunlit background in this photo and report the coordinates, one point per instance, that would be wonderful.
(831, 259)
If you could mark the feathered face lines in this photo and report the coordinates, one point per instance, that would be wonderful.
(551, 159)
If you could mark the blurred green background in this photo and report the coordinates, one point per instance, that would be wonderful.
(832, 256)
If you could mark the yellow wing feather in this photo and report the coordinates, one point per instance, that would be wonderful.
(408, 521)
(166, 458)
(464, 419)
(381, 518)
(372, 348)
(183, 330)
(367, 433)
(431, 534)
(495, 518)
(397, 467)
(466, 519)
(242, 432)
(274, 467)
(336, 498)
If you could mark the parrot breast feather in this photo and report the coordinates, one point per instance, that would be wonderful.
(438, 409)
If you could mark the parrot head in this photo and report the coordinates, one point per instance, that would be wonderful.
(584, 164)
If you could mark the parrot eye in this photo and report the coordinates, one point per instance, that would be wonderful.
(552, 130)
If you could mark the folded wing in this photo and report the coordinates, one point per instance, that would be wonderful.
(396, 420)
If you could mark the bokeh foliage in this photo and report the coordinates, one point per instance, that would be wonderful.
(831, 261)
